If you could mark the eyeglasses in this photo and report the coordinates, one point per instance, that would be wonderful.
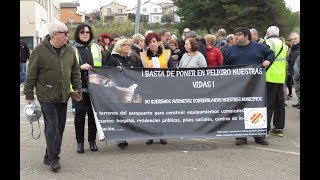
(66, 33)
(84, 32)
(125, 45)
(238, 34)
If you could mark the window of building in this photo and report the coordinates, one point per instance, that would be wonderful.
(154, 9)
(120, 18)
(119, 10)
(144, 10)
(155, 19)
(109, 10)
(71, 11)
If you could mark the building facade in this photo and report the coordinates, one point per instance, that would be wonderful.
(151, 10)
(113, 12)
(35, 17)
(69, 13)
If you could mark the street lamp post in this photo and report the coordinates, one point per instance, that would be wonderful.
(137, 20)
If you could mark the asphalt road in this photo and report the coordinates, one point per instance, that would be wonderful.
(185, 159)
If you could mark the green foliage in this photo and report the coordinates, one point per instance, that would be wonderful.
(131, 17)
(230, 14)
(166, 18)
(124, 28)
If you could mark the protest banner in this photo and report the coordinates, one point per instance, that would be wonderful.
(212, 102)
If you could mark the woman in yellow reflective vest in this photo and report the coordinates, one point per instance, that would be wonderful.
(155, 57)
(88, 55)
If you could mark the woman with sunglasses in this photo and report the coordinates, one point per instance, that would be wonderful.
(88, 55)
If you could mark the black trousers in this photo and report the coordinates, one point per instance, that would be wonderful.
(289, 85)
(275, 105)
(84, 107)
(54, 115)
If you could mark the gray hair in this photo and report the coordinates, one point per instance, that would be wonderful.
(119, 43)
(273, 30)
(163, 31)
(222, 32)
(55, 27)
(295, 34)
(254, 31)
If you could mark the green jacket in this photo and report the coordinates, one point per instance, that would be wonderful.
(51, 74)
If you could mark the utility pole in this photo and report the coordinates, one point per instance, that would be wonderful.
(137, 20)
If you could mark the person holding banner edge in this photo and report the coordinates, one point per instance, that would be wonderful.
(120, 58)
(155, 57)
(88, 54)
(246, 52)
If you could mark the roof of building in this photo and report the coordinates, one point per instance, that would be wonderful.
(69, 4)
(114, 3)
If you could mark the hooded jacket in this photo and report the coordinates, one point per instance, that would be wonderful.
(51, 74)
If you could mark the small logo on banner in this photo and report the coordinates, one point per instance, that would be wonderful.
(255, 118)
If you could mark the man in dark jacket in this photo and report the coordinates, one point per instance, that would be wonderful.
(24, 56)
(294, 53)
(246, 52)
(296, 80)
(52, 67)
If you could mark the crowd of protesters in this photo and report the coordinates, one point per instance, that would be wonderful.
(161, 50)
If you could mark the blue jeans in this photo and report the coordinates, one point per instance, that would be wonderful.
(23, 68)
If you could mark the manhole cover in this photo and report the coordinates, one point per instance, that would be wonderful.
(194, 147)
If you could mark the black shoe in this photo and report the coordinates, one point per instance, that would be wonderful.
(122, 144)
(93, 146)
(80, 148)
(45, 161)
(298, 107)
(163, 141)
(149, 141)
(55, 166)
(261, 140)
(241, 141)
(285, 104)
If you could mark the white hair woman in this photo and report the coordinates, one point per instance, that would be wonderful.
(120, 58)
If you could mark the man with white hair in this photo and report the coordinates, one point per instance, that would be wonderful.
(221, 39)
(255, 36)
(294, 53)
(275, 77)
(52, 67)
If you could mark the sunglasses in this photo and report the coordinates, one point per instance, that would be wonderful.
(84, 32)
(66, 33)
